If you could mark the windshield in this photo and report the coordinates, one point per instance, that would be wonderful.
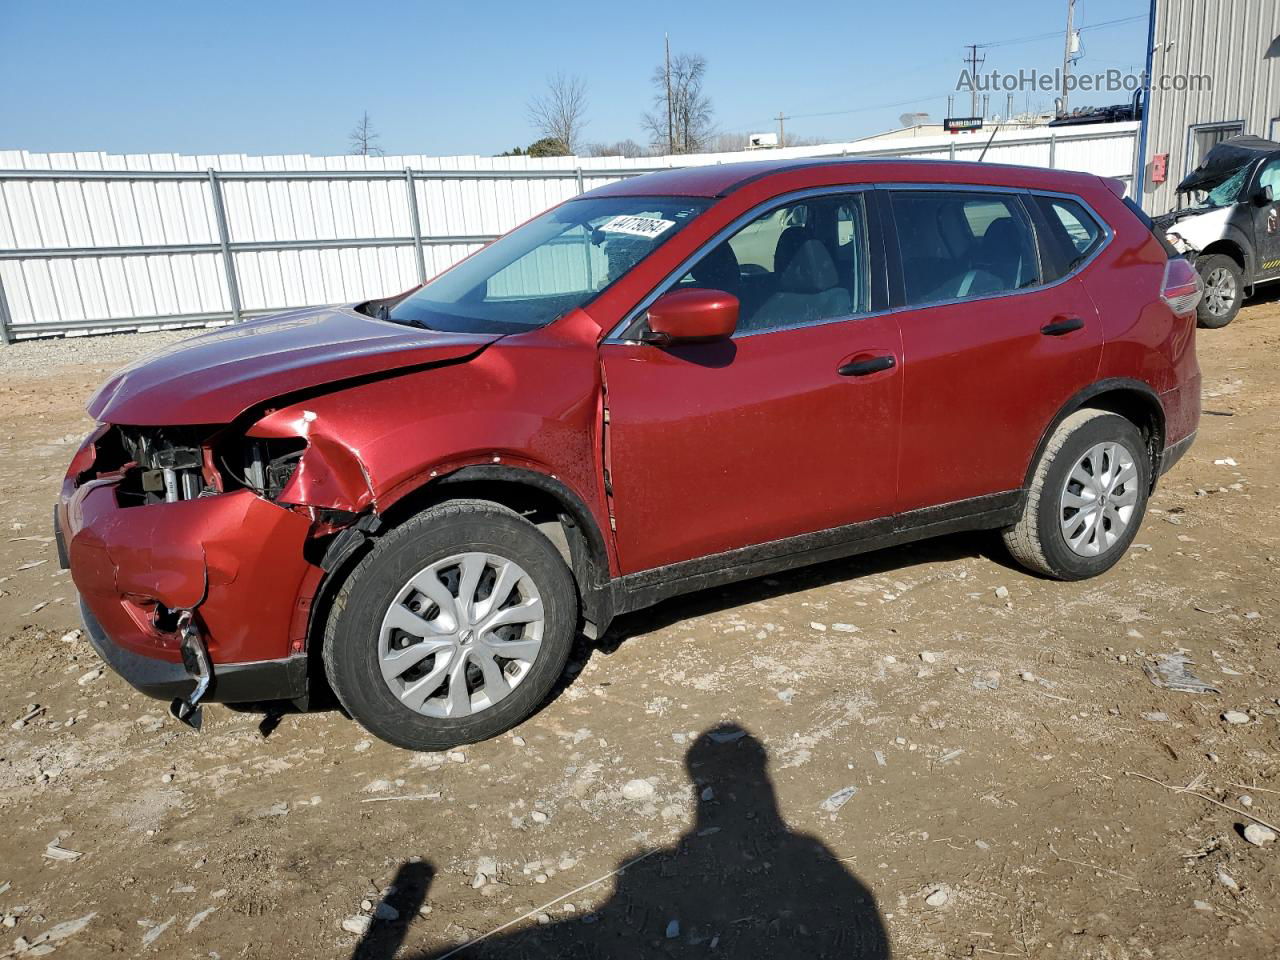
(1227, 192)
(549, 266)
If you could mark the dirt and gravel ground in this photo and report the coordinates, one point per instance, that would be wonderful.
(998, 731)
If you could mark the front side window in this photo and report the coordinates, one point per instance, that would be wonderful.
(1269, 176)
(960, 244)
(795, 265)
(551, 265)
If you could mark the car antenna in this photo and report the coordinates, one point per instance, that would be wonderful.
(992, 137)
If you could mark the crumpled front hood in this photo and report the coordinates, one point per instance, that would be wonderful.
(215, 377)
(1166, 220)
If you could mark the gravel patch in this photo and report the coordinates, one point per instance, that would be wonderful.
(111, 351)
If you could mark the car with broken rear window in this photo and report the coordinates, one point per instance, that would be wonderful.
(1231, 228)
(666, 384)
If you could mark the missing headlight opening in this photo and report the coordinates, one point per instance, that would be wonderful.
(269, 464)
(173, 464)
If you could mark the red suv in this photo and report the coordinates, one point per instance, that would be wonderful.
(665, 384)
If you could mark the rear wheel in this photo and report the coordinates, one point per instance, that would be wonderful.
(1086, 499)
(1223, 290)
(454, 627)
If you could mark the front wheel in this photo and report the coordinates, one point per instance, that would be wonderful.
(1223, 290)
(453, 629)
(1086, 499)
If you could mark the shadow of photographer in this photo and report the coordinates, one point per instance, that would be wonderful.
(740, 883)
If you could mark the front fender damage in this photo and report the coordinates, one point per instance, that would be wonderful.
(330, 475)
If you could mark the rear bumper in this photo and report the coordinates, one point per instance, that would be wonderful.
(1181, 420)
(232, 682)
(1174, 452)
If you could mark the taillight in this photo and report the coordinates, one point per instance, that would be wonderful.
(1182, 288)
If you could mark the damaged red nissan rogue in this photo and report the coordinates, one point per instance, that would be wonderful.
(665, 384)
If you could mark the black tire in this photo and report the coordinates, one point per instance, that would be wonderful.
(350, 652)
(1216, 265)
(1037, 540)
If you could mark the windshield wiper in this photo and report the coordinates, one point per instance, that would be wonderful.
(383, 312)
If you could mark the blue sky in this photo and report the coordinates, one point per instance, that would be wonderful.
(277, 76)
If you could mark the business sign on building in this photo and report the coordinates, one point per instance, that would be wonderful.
(956, 124)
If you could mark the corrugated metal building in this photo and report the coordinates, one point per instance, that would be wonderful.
(1226, 42)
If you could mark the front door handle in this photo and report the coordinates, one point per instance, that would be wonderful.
(1061, 325)
(862, 368)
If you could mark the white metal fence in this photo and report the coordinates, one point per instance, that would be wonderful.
(95, 242)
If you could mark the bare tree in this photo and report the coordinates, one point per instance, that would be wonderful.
(561, 112)
(363, 137)
(729, 142)
(805, 141)
(681, 119)
(621, 148)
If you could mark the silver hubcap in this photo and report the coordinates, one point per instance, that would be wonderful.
(1220, 291)
(461, 635)
(1099, 499)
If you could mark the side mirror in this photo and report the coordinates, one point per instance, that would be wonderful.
(692, 316)
(1264, 195)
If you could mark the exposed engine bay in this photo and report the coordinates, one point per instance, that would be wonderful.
(172, 464)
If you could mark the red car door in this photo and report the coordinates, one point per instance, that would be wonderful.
(993, 346)
(791, 427)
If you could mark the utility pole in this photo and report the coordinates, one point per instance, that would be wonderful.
(671, 130)
(782, 131)
(974, 63)
(1066, 52)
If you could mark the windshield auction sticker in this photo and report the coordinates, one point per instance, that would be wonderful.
(648, 227)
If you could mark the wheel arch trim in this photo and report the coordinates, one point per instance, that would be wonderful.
(1136, 389)
(588, 548)
(1234, 244)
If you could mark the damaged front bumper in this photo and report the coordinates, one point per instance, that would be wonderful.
(204, 599)
(284, 679)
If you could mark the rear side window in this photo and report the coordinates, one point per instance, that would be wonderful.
(955, 245)
(1073, 234)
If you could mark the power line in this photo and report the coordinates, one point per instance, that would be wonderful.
(840, 113)
(1055, 34)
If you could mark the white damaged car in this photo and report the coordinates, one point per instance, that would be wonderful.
(1232, 234)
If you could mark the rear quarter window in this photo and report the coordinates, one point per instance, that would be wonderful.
(1072, 234)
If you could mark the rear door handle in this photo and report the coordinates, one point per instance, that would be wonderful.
(862, 368)
(1061, 325)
